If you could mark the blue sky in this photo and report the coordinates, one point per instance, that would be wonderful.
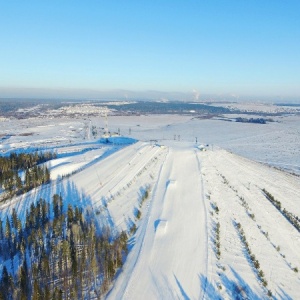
(212, 47)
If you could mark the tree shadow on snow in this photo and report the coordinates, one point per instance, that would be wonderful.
(236, 288)
(284, 295)
(71, 195)
(208, 289)
(183, 293)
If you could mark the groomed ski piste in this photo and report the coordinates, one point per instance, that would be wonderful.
(175, 253)
(203, 207)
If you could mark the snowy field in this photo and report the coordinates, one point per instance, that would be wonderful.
(177, 251)
(275, 143)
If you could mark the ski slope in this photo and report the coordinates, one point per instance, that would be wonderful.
(174, 256)
(173, 253)
(174, 228)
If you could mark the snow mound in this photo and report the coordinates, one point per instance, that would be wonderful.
(160, 226)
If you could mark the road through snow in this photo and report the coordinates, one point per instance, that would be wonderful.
(171, 255)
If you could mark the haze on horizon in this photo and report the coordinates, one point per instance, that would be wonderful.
(170, 49)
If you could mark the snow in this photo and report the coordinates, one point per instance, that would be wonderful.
(173, 253)
(246, 179)
(155, 268)
(173, 257)
(67, 165)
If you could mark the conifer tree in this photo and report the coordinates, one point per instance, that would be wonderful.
(7, 229)
(24, 284)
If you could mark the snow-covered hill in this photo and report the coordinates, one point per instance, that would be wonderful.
(175, 255)
(210, 226)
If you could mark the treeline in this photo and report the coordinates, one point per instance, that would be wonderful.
(35, 175)
(18, 108)
(57, 254)
(293, 219)
(172, 107)
(254, 262)
(253, 120)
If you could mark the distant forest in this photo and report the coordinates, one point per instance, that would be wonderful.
(9, 107)
(20, 108)
(254, 120)
(172, 107)
(288, 104)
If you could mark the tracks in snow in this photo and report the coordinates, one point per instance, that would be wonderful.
(171, 242)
